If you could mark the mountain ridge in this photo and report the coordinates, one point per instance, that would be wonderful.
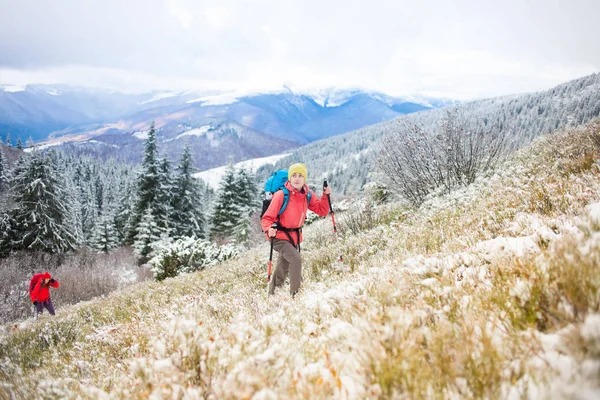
(42, 111)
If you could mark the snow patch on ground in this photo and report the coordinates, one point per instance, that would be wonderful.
(142, 135)
(507, 246)
(595, 212)
(213, 176)
(192, 132)
(14, 88)
(43, 147)
(160, 96)
(218, 100)
(195, 132)
(102, 143)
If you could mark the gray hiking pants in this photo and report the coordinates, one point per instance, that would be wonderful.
(289, 261)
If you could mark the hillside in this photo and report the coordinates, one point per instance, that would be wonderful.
(345, 159)
(212, 145)
(488, 292)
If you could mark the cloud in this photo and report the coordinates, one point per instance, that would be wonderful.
(463, 48)
(181, 12)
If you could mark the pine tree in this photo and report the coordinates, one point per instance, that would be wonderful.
(88, 209)
(98, 194)
(226, 213)
(242, 232)
(164, 197)
(187, 217)
(3, 173)
(19, 144)
(74, 219)
(41, 209)
(125, 206)
(247, 193)
(8, 143)
(105, 236)
(148, 232)
(246, 200)
(6, 235)
(148, 186)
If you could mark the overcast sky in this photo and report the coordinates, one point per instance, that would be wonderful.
(460, 49)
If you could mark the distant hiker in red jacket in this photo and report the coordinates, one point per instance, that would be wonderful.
(39, 292)
(288, 235)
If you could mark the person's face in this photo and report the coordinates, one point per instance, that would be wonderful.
(297, 180)
(46, 281)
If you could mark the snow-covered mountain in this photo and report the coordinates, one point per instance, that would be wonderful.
(212, 145)
(278, 119)
(46, 111)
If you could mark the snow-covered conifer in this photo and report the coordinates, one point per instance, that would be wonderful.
(148, 232)
(148, 185)
(40, 216)
(187, 216)
(226, 212)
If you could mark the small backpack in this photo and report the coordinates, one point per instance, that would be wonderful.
(277, 182)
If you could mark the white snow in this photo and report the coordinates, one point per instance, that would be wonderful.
(102, 143)
(196, 132)
(361, 153)
(218, 100)
(590, 331)
(160, 96)
(13, 88)
(329, 97)
(508, 246)
(142, 135)
(213, 176)
(44, 146)
(192, 132)
(595, 212)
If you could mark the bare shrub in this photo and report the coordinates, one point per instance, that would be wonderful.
(416, 162)
(360, 217)
(82, 276)
(595, 134)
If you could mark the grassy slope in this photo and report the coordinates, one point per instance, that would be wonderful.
(491, 291)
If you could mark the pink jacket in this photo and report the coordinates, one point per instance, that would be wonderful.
(295, 213)
(38, 291)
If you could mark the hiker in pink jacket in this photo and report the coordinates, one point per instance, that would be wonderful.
(288, 235)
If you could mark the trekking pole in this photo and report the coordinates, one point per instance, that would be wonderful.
(332, 217)
(270, 267)
(330, 207)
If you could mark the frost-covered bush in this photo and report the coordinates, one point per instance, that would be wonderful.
(188, 255)
(415, 161)
(378, 192)
(360, 217)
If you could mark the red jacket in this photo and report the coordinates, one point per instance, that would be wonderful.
(38, 291)
(295, 213)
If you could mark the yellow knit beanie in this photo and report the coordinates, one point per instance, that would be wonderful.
(297, 168)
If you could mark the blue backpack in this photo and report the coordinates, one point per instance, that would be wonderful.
(277, 182)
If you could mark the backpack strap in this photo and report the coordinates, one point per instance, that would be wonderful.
(286, 198)
(287, 233)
